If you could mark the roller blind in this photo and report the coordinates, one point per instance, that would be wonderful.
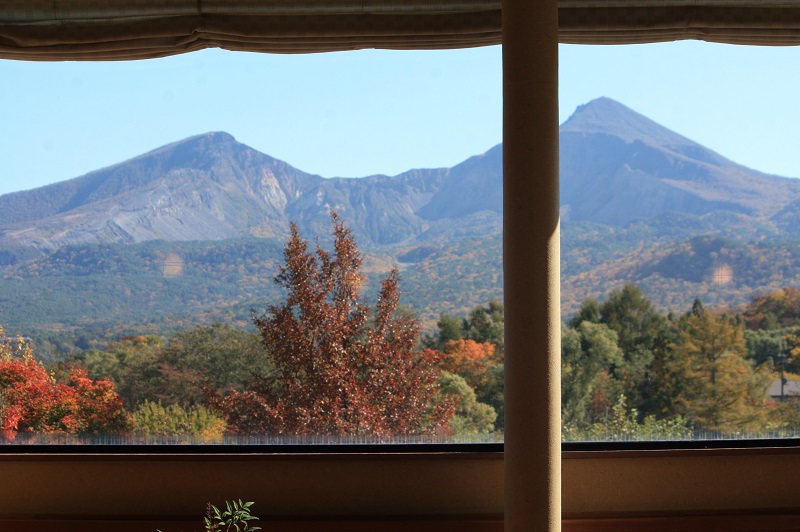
(763, 22)
(138, 29)
(53, 30)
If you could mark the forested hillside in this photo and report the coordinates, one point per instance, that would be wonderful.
(191, 233)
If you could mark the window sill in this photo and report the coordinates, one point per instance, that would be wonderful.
(600, 482)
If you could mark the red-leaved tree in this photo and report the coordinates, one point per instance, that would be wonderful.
(32, 401)
(342, 368)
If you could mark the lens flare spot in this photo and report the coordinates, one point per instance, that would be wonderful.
(173, 265)
(723, 275)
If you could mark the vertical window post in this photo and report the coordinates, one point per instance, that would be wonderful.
(531, 266)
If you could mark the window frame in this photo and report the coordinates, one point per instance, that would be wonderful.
(46, 484)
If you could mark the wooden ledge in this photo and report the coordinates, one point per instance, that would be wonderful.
(404, 524)
(744, 520)
(751, 520)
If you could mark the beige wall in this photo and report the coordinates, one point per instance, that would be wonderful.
(281, 486)
(387, 485)
(664, 481)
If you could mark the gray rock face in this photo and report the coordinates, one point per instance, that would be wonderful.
(472, 186)
(211, 187)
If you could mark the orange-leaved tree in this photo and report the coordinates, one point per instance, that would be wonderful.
(32, 401)
(470, 359)
(341, 367)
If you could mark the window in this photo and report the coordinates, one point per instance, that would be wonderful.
(585, 82)
(161, 198)
(706, 482)
(679, 251)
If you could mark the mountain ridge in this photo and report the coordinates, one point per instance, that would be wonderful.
(639, 204)
(215, 188)
(618, 166)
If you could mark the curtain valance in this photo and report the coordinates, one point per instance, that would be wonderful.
(761, 22)
(53, 30)
(137, 29)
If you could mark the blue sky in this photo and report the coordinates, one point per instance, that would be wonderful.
(359, 113)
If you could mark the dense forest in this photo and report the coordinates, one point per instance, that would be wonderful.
(324, 362)
(628, 372)
(332, 360)
(91, 294)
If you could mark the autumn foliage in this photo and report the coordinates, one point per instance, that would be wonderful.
(32, 401)
(719, 387)
(779, 308)
(341, 367)
(470, 359)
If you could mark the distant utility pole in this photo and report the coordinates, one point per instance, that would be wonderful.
(781, 364)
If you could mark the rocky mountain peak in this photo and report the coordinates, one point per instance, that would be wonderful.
(618, 166)
(207, 141)
(607, 116)
(196, 151)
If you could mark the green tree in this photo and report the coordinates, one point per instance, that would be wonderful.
(493, 393)
(589, 311)
(448, 328)
(587, 353)
(643, 373)
(215, 356)
(486, 324)
(471, 417)
(482, 368)
(623, 424)
(133, 363)
(154, 419)
(764, 346)
(641, 329)
(658, 388)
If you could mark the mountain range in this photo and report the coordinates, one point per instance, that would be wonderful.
(210, 187)
(616, 167)
(630, 189)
